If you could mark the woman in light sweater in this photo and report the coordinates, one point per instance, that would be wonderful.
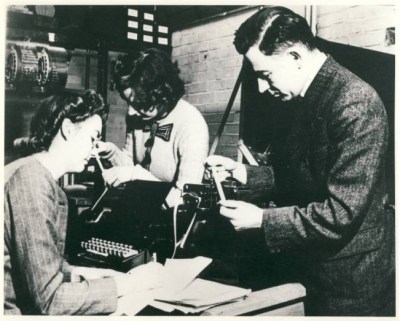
(167, 138)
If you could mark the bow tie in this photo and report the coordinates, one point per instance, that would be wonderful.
(164, 131)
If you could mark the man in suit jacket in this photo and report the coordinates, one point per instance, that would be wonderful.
(326, 173)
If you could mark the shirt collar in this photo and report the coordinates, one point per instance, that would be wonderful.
(313, 71)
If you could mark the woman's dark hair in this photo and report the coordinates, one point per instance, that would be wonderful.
(52, 111)
(121, 69)
(153, 78)
(279, 29)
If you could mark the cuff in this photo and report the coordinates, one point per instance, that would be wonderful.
(260, 178)
(240, 173)
(103, 295)
(274, 227)
(67, 271)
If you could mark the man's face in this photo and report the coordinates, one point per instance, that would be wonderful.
(280, 74)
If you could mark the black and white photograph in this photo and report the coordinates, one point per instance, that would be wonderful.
(199, 159)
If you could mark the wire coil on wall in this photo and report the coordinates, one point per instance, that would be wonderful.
(21, 65)
(53, 67)
(33, 66)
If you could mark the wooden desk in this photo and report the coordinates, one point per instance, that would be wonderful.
(286, 299)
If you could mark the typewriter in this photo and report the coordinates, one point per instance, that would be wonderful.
(132, 228)
(115, 231)
(98, 252)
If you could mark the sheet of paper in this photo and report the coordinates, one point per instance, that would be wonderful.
(163, 306)
(169, 307)
(134, 302)
(204, 293)
(179, 273)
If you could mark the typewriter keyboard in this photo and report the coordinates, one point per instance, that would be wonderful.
(108, 248)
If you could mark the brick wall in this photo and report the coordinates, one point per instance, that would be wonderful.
(209, 66)
(361, 26)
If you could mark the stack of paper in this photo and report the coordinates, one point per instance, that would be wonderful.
(182, 290)
(200, 295)
(179, 273)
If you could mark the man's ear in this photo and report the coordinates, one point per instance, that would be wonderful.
(297, 57)
(295, 54)
(67, 128)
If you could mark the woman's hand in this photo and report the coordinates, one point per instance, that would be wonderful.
(224, 167)
(104, 149)
(138, 172)
(117, 175)
(88, 273)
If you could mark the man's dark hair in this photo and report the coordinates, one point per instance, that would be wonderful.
(153, 78)
(52, 111)
(275, 29)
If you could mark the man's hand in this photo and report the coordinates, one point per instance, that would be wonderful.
(224, 167)
(241, 214)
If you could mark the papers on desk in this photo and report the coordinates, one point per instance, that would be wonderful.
(200, 295)
(179, 273)
(182, 290)
(133, 303)
(169, 307)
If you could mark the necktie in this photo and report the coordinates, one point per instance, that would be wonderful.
(163, 132)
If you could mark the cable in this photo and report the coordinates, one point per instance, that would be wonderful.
(174, 218)
(182, 241)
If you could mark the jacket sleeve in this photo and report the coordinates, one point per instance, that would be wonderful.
(358, 134)
(34, 206)
(261, 181)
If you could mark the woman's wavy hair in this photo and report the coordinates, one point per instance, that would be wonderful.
(274, 29)
(153, 78)
(52, 111)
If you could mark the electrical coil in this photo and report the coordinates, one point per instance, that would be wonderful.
(21, 65)
(33, 65)
(53, 67)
